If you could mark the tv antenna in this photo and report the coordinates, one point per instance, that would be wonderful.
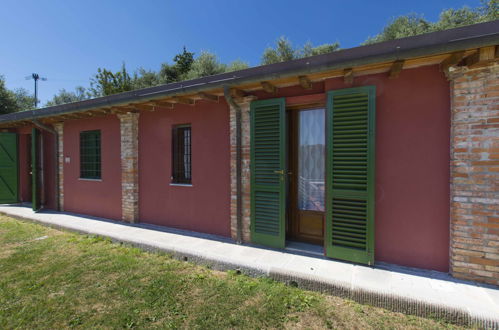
(36, 77)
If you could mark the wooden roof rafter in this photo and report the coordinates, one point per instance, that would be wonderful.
(182, 100)
(162, 105)
(396, 69)
(236, 92)
(482, 56)
(451, 60)
(207, 97)
(348, 76)
(305, 82)
(268, 87)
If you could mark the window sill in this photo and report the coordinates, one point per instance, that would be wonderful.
(181, 184)
(95, 180)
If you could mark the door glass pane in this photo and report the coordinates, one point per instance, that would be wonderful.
(311, 159)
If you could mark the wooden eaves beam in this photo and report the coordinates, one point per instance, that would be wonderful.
(207, 97)
(182, 100)
(144, 107)
(160, 105)
(348, 76)
(235, 92)
(104, 111)
(451, 60)
(268, 87)
(123, 109)
(395, 69)
(305, 82)
(482, 56)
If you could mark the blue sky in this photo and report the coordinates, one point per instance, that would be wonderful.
(67, 40)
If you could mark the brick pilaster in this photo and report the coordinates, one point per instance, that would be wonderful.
(244, 104)
(129, 128)
(59, 128)
(474, 250)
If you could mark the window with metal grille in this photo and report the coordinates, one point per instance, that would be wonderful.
(90, 155)
(181, 154)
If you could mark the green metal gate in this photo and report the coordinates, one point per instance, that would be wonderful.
(9, 178)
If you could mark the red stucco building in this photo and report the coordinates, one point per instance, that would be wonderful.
(380, 153)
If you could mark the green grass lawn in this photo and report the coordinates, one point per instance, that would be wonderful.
(55, 279)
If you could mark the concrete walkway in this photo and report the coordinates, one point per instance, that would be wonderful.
(412, 291)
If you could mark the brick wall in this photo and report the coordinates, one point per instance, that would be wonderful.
(129, 128)
(59, 128)
(474, 250)
(244, 104)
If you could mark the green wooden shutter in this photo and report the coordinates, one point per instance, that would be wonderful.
(268, 151)
(8, 168)
(35, 169)
(350, 174)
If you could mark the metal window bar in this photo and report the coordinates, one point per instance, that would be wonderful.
(181, 154)
(90, 154)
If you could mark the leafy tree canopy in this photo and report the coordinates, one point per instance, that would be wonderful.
(284, 51)
(8, 102)
(206, 64)
(177, 71)
(65, 96)
(17, 100)
(105, 82)
(24, 99)
(185, 65)
(413, 24)
(237, 65)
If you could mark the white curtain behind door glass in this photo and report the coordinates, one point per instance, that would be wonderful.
(311, 160)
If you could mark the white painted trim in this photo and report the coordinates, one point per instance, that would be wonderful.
(95, 180)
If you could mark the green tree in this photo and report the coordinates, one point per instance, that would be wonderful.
(8, 102)
(309, 50)
(206, 64)
(143, 78)
(413, 24)
(237, 65)
(24, 99)
(19, 99)
(105, 82)
(284, 51)
(400, 27)
(178, 71)
(65, 96)
(184, 61)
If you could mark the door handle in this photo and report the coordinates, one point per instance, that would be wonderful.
(279, 172)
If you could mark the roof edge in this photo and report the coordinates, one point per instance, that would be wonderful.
(463, 38)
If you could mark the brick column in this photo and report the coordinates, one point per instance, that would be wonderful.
(59, 128)
(129, 128)
(244, 104)
(474, 250)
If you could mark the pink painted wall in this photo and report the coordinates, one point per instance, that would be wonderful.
(49, 170)
(204, 207)
(412, 166)
(98, 198)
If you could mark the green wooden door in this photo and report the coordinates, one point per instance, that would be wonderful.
(268, 172)
(9, 179)
(350, 174)
(35, 169)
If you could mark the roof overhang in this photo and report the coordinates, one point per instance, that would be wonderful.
(446, 48)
